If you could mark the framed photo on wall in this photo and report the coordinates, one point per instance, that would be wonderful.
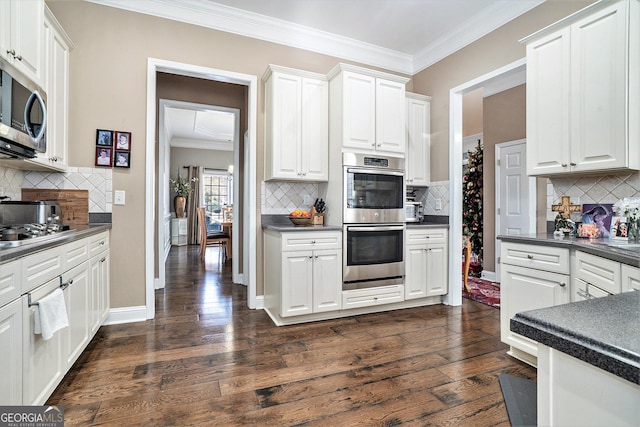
(123, 141)
(104, 137)
(103, 156)
(122, 159)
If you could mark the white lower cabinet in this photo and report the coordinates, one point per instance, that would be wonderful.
(532, 277)
(630, 278)
(426, 263)
(372, 296)
(30, 367)
(303, 272)
(11, 353)
(76, 299)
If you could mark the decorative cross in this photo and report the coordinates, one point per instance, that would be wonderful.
(566, 207)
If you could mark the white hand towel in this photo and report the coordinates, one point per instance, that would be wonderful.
(50, 315)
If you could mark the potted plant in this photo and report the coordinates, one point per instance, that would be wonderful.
(181, 187)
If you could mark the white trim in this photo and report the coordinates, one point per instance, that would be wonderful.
(488, 275)
(249, 24)
(158, 65)
(454, 297)
(137, 313)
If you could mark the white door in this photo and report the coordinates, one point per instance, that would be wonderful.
(515, 193)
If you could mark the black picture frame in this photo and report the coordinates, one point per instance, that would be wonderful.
(122, 141)
(122, 159)
(104, 137)
(103, 160)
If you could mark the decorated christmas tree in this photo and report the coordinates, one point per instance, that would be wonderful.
(472, 202)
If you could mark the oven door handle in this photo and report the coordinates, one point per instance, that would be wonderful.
(377, 228)
(375, 171)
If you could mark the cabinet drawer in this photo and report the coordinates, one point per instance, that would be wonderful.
(598, 271)
(372, 296)
(98, 243)
(301, 241)
(41, 267)
(9, 282)
(426, 235)
(540, 257)
(75, 253)
(630, 278)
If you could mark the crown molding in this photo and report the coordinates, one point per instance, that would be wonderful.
(249, 24)
(475, 28)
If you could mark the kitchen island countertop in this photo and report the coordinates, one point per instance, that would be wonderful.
(602, 332)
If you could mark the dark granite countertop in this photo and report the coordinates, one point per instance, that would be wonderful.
(79, 232)
(281, 223)
(426, 225)
(603, 332)
(615, 250)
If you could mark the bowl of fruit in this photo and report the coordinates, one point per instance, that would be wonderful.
(299, 217)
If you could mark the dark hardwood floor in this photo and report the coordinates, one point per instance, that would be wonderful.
(206, 359)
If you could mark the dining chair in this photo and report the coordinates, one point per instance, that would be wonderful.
(211, 238)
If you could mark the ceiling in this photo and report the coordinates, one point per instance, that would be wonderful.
(404, 36)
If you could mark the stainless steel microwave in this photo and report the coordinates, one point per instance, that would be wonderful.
(23, 115)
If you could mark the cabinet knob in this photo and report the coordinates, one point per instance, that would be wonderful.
(573, 164)
(103, 259)
(310, 256)
(562, 285)
(564, 165)
(529, 256)
(19, 57)
(373, 144)
(11, 52)
(313, 242)
(316, 256)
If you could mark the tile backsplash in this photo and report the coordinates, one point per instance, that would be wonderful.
(280, 198)
(98, 181)
(592, 189)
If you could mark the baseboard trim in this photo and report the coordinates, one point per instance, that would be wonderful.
(132, 314)
(488, 275)
(259, 302)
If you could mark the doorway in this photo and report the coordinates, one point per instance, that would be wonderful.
(154, 182)
(454, 297)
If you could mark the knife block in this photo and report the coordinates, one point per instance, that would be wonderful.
(315, 218)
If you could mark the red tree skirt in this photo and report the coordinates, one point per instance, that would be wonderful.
(483, 291)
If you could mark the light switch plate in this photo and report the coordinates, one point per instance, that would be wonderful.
(438, 204)
(118, 197)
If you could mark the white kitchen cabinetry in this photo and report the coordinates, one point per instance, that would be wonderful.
(33, 367)
(418, 139)
(368, 297)
(426, 260)
(583, 91)
(57, 47)
(594, 277)
(367, 110)
(21, 39)
(630, 278)
(297, 131)
(179, 231)
(11, 353)
(532, 277)
(303, 272)
(100, 263)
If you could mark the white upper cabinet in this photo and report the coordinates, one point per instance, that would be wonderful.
(418, 139)
(583, 91)
(367, 110)
(297, 125)
(21, 39)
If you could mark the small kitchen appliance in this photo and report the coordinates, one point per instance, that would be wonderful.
(24, 222)
(413, 211)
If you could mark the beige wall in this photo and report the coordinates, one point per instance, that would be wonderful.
(472, 112)
(108, 72)
(504, 121)
(495, 50)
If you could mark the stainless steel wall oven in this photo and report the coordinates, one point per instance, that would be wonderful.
(373, 221)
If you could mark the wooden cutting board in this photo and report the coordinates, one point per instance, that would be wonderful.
(74, 203)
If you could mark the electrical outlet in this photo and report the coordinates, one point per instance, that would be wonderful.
(438, 204)
(118, 197)
(306, 199)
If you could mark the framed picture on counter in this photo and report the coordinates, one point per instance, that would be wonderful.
(121, 159)
(103, 156)
(619, 227)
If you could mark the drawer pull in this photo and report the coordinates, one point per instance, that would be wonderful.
(313, 242)
(585, 295)
(529, 256)
(562, 285)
